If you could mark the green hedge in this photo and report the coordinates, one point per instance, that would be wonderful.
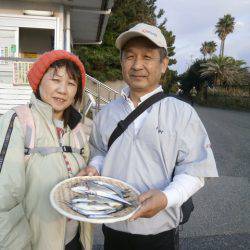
(228, 102)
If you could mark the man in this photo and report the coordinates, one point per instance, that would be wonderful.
(193, 94)
(168, 136)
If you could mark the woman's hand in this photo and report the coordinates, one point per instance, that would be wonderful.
(88, 171)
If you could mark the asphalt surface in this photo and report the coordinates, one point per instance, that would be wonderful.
(221, 220)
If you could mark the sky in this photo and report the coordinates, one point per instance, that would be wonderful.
(193, 22)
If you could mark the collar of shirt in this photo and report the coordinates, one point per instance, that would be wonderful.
(138, 122)
(59, 128)
(125, 94)
(58, 123)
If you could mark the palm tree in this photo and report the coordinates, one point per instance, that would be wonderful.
(211, 48)
(223, 70)
(208, 48)
(204, 49)
(224, 26)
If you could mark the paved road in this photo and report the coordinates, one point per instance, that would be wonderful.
(221, 220)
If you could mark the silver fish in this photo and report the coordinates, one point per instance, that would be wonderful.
(92, 206)
(94, 187)
(112, 187)
(80, 199)
(107, 195)
(95, 216)
(88, 213)
(97, 199)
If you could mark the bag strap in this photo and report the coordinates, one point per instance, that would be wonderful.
(26, 120)
(6, 140)
(123, 124)
(51, 150)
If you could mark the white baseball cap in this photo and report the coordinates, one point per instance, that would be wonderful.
(142, 29)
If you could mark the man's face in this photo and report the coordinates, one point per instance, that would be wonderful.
(141, 65)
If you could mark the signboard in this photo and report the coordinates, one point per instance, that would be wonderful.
(20, 70)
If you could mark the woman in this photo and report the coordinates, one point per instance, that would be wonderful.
(27, 220)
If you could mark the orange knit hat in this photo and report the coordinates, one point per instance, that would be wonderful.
(39, 68)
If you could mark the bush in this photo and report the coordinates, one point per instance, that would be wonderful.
(228, 102)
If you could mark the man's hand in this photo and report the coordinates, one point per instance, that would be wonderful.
(152, 202)
(89, 171)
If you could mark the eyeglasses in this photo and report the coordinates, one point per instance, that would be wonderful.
(147, 60)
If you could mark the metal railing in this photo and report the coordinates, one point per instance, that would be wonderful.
(101, 88)
(102, 93)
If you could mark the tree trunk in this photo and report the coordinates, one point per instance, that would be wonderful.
(222, 47)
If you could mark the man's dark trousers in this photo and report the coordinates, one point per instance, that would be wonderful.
(116, 240)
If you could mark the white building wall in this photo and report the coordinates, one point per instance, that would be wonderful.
(17, 7)
(11, 17)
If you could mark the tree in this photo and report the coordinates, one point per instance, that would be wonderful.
(103, 62)
(211, 47)
(224, 27)
(169, 80)
(223, 70)
(204, 49)
(192, 77)
(208, 48)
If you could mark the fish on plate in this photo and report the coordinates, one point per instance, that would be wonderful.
(96, 185)
(92, 188)
(93, 213)
(96, 199)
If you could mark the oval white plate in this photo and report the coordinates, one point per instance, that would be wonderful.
(62, 193)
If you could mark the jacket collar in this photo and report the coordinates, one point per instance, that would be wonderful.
(74, 117)
(47, 112)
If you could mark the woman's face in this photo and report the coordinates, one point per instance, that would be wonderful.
(58, 90)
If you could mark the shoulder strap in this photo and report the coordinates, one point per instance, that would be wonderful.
(27, 122)
(26, 119)
(51, 150)
(6, 140)
(123, 124)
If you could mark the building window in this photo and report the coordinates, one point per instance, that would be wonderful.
(34, 42)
